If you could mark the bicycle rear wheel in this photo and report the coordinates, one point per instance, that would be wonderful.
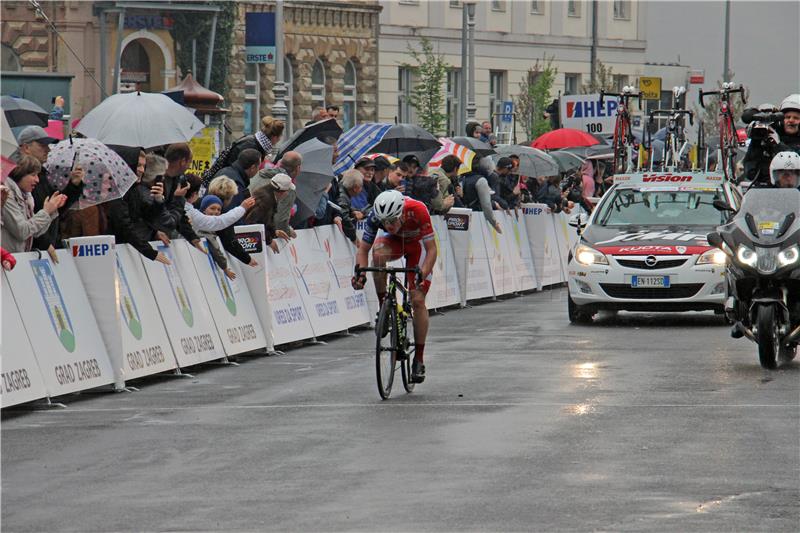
(408, 351)
(386, 347)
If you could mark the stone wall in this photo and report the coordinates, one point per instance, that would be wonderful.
(27, 36)
(334, 32)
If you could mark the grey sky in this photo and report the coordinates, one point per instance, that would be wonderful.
(765, 42)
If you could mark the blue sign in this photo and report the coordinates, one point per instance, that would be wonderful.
(259, 38)
(508, 110)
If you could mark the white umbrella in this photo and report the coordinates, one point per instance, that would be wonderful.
(9, 141)
(140, 119)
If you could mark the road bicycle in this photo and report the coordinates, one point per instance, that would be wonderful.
(392, 345)
(728, 141)
(624, 140)
(675, 142)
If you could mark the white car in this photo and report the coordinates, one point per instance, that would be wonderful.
(644, 246)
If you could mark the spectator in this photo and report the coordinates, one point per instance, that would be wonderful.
(8, 260)
(291, 165)
(209, 219)
(179, 159)
(395, 178)
(333, 111)
(57, 113)
(446, 177)
(486, 134)
(263, 140)
(131, 218)
(551, 195)
(318, 114)
(508, 188)
(534, 184)
(382, 168)
(330, 213)
(21, 223)
(474, 130)
(551, 113)
(364, 200)
(352, 183)
(245, 167)
(264, 210)
(34, 141)
(225, 188)
(478, 194)
(417, 185)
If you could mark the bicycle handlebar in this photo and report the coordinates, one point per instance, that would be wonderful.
(670, 112)
(603, 94)
(720, 92)
(388, 270)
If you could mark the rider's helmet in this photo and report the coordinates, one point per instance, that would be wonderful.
(784, 161)
(389, 205)
(791, 103)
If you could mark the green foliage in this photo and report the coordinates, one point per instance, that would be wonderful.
(189, 25)
(428, 97)
(534, 96)
(604, 79)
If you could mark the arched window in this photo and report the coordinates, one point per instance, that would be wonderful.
(349, 100)
(318, 84)
(288, 76)
(10, 59)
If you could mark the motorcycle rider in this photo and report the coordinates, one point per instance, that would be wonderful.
(784, 170)
(782, 138)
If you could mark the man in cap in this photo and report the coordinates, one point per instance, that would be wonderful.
(265, 210)
(508, 182)
(382, 168)
(290, 164)
(419, 186)
(363, 201)
(34, 141)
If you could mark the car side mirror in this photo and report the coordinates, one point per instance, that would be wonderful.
(722, 205)
(714, 239)
(578, 220)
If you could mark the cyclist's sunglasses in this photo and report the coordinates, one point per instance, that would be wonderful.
(390, 221)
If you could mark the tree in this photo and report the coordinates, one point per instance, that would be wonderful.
(534, 96)
(427, 96)
(604, 79)
(709, 115)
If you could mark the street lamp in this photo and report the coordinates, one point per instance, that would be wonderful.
(471, 37)
(279, 110)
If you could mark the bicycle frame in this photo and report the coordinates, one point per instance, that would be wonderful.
(675, 142)
(726, 154)
(623, 137)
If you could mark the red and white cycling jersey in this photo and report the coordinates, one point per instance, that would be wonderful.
(416, 224)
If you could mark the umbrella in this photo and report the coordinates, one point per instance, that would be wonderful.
(318, 130)
(356, 142)
(408, 139)
(9, 141)
(567, 161)
(139, 119)
(532, 162)
(563, 138)
(599, 151)
(107, 178)
(316, 174)
(22, 112)
(451, 148)
(476, 145)
(392, 159)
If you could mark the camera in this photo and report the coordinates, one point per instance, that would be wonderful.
(761, 121)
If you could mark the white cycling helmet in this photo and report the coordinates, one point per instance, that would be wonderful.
(389, 205)
(783, 161)
(791, 103)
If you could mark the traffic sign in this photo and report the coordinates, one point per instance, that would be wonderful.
(650, 87)
(508, 110)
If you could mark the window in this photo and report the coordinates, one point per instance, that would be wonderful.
(497, 93)
(573, 8)
(622, 9)
(620, 81)
(453, 100)
(499, 5)
(410, 2)
(288, 76)
(251, 100)
(537, 7)
(571, 83)
(405, 85)
(318, 85)
(349, 99)
(455, 3)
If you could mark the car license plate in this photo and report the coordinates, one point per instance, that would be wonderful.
(650, 281)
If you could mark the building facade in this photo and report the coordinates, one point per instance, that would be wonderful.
(509, 37)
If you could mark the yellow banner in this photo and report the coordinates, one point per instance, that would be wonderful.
(204, 150)
(650, 87)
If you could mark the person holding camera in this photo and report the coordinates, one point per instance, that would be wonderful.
(769, 138)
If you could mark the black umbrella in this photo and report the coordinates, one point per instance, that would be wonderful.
(318, 130)
(567, 161)
(408, 139)
(476, 145)
(590, 151)
(22, 112)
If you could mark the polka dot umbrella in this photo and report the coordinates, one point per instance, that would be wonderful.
(107, 177)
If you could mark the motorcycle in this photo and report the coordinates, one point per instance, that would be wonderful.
(762, 242)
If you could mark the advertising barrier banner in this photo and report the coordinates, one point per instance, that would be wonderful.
(183, 306)
(521, 257)
(341, 264)
(60, 323)
(20, 378)
(545, 247)
(231, 307)
(444, 285)
(479, 275)
(499, 255)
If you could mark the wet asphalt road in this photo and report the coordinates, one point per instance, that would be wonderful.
(646, 422)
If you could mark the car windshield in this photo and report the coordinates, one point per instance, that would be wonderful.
(661, 207)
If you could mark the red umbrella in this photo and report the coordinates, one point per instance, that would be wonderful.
(563, 138)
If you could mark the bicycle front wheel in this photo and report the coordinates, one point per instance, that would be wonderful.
(386, 347)
(408, 351)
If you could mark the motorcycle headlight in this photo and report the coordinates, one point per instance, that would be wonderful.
(746, 256)
(789, 256)
(587, 256)
(714, 256)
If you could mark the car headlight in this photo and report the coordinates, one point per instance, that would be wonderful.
(589, 256)
(789, 256)
(714, 256)
(746, 256)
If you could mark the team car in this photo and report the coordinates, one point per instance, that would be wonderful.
(644, 247)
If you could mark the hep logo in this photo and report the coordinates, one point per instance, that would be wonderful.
(89, 250)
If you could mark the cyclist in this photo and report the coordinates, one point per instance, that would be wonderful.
(397, 227)
(784, 171)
